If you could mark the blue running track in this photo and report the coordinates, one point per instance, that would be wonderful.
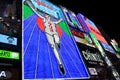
(39, 59)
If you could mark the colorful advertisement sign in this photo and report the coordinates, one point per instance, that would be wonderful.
(96, 42)
(82, 38)
(89, 26)
(9, 54)
(96, 32)
(76, 28)
(107, 47)
(82, 22)
(115, 45)
(49, 49)
(45, 6)
(72, 19)
(8, 39)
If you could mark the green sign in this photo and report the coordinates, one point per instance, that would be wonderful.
(116, 47)
(96, 42)
(9, 54)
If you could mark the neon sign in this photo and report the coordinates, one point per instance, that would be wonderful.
(107, 47)
(91, 56)
(76, 33)
(8, 39)
(9, 54)
(96, 32)
(46, 7)
(72, 19)
(44, 4)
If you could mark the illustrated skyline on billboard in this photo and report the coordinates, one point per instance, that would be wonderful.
(49, 50)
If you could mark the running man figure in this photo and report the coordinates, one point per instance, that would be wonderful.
(51, 34)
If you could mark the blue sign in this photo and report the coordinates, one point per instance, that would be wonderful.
(81, 20)
(107, 47)
(72, 19)
(56, 57)
(8, 39)
(46, 7)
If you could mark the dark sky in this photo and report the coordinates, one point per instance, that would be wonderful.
(103, 13)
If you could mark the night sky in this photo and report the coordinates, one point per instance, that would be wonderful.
(103, 13)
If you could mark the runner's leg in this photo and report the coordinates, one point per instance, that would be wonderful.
(52, 43)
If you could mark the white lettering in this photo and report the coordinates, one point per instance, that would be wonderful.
(2, 74)
(92, 56)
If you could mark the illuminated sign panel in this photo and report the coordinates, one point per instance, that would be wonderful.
(9, 54)
(107, 47)
(89, 26)
(93, 59)
(92, 56)
(72, 19)
(49, 48)
(97, 33)
(46, 7)
(96, 42)
(115, 45)
(93, 71)
(83, 41)
(76, 28)
(81, 20)
(8, 39)
(82, 38)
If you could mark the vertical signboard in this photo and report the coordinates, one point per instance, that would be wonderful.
(76, 28)
(115, 45)
(107, 47)
(96, 42)
(49, 49)
(72, 19)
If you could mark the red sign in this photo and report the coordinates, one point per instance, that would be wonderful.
(96, 32)
(77, 33)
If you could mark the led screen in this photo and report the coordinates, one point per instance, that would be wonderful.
(8, 39)
(49, 49)
(107, 47)
(92, 27)
(115, 45)
(9, 54)
(82, 37)
(96, 32)
(72, 19)
(89, 26)
(97, 44)
(76, 28)
(46, 7)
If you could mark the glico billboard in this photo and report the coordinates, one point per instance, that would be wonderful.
(49, 48)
